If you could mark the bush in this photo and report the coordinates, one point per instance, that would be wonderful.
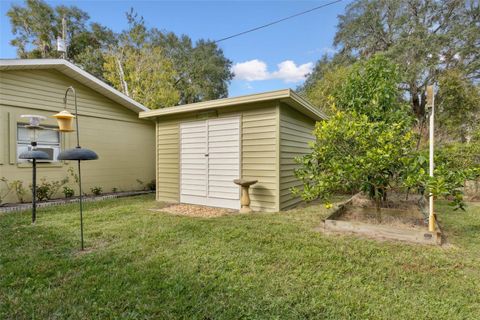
(68, 192)
(47, 189)
(96, 190)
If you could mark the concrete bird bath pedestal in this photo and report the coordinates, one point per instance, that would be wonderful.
(245, 199)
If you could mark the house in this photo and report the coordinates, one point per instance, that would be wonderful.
(108, 121)
(202, 147)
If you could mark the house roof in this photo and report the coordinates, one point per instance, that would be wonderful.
(76, 73)
(286, 95)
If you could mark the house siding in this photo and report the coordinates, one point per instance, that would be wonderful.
(296, 131)
(124, 143)
(258, 152)
(45, 89)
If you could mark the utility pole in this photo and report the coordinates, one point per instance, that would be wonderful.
(62, 41)
(431, 106)
(64, 36)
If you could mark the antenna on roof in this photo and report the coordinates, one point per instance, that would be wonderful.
(62, 41)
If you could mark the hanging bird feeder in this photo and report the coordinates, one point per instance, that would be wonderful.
(65, 121)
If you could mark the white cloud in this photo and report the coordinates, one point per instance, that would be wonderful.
(288, 71)
(256, 70)
(251, 70)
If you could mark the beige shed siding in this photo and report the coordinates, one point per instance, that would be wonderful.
(258, 144)
(168, 165)
(124, 143)
(295, 134)
(259, 161)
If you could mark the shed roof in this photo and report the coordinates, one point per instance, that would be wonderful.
(76, 73)
(286, 95)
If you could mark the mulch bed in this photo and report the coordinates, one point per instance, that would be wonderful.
(191, 210)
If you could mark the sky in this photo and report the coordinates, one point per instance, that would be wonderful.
(272, 58)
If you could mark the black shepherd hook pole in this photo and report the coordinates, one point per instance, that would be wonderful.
(76, 110)
(78, 153)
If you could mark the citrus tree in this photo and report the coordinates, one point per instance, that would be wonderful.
(364, 143)
(369, 144)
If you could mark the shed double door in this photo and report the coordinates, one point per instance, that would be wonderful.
(210, 161)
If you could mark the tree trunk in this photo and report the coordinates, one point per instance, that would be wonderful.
(418, 101)
(122, 77)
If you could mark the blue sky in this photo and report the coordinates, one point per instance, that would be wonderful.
(268, 59)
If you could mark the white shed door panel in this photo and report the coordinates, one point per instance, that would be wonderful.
(193, 161)
(210, 161)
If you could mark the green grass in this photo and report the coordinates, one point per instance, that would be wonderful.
(142, 264)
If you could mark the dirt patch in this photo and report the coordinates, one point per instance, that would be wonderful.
(395, 201)
(394, 217)
(397, 211)
(192, 210)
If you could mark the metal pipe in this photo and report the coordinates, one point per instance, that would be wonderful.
(81, 202)
(76, 110)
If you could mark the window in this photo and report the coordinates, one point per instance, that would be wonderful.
(48, 140)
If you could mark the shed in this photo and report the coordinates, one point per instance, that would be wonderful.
(108, 119)
(202, 147)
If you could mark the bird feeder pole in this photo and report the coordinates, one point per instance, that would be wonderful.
(65, 121)
(431, 106)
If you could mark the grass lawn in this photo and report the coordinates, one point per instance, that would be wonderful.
(143, 264)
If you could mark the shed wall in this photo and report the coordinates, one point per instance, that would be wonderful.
(259, 136)
(296, 131)
(124, 143)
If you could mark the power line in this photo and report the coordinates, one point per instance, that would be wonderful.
(278, 21)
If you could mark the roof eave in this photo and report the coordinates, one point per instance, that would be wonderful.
(286, 95)
(85, 78)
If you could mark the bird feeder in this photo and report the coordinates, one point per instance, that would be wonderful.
(33, 154)
(65, 121)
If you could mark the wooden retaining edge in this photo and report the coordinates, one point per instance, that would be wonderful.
(27, 206)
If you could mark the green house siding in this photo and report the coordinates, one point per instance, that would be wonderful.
(44, 90)
(124, 143)
(295, 134)
(258, 152)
